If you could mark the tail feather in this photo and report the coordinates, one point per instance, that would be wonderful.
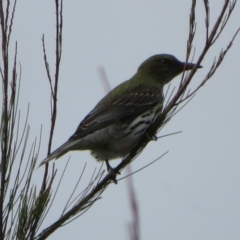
(57, 153)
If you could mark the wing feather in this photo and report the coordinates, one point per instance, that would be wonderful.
(116, 108)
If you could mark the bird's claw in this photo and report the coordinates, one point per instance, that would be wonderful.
(113, 175)
(112, 172)
(151, 138)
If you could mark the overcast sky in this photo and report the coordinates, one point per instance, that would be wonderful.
(192, 192)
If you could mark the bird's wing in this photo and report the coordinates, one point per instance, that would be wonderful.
(112, 109)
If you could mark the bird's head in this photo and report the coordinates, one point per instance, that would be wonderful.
(163, 67)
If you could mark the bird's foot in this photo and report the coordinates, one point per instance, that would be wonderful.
(151, 138)
(112, 172)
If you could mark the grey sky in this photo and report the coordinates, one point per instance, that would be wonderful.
(191, 193)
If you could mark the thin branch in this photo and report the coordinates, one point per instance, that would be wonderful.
(47, 65)
(11, 22)
(140, 169)
(54, 89)
(134, 227)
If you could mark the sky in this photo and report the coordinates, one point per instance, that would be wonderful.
(193, 191)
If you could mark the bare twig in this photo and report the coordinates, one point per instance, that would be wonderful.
(47, 65)
(54, 88)
(134, 228)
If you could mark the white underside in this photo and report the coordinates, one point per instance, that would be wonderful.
(116, 141)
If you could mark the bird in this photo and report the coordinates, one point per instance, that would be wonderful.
(122, 118)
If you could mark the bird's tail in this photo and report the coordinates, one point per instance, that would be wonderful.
(58, 152)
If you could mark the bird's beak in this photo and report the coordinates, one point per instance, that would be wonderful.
(188, 66)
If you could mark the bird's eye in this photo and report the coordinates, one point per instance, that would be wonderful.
(165, 61)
